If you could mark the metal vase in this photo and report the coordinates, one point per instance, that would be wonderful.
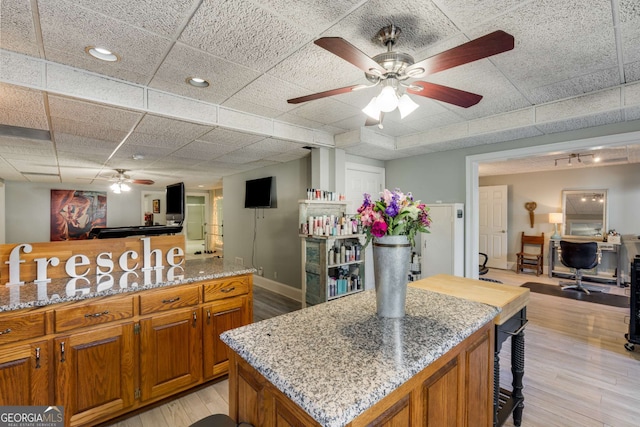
(391, 256)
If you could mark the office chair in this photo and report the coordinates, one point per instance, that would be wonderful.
(579, 256)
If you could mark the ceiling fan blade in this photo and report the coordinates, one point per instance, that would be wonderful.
(325, 94)
(445, 94)
(483, 47)
(143, 181)
(345, 50)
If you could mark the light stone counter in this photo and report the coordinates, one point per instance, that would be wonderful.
(34, 294)
(337, 359)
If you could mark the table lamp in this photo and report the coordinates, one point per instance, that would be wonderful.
(555, 219)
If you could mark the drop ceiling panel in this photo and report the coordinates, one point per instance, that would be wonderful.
(164, 17)
(22, 107)
(16, 28)
(140, 51)
(249, 34)
(91, 112)
(555, 41)
(225, 78)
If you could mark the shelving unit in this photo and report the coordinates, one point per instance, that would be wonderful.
(323, 277)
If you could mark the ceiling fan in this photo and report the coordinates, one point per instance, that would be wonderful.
(393, 69)
(121, 180)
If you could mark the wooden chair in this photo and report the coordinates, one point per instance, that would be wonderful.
(531, 253)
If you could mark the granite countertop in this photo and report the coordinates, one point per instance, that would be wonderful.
(34, 294)
(337, 359)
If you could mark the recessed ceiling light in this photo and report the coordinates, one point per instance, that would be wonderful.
(137, 157)
(102, 53)
(197, 82)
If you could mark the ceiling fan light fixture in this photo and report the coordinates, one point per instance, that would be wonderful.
(119, 187)
(387, 101)
(406, 106)
(372, 110)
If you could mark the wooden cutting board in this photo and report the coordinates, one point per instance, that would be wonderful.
(510, 299)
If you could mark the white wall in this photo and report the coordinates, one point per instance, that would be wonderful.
(28, 206)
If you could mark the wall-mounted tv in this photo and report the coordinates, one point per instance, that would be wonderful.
(175, 202)
(260, 193)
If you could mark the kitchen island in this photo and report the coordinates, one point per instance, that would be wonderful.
(338, 364)
(113, 325)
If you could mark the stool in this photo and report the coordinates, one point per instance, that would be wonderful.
(217, 420)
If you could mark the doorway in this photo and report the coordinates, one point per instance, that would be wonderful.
(195, 223)
(362, 179)
(472, 223)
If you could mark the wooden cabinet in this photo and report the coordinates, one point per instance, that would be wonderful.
(219, 317)
(25, 374)
(94, 372)
(103, 357)
(170, 353)
(455, 390)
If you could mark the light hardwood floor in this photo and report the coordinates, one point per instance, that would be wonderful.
(577, 371)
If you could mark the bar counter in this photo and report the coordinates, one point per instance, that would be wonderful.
(34, 294)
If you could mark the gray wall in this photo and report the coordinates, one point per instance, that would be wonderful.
(28, 206)
(277, 244)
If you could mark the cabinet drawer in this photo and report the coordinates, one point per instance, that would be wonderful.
(21, 327)
(225, 288)
(168, 299)
(94, 313)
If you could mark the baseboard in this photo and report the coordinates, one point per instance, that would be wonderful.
(278, 288)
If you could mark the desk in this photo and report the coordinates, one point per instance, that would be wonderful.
(604, 247)
(510, 322)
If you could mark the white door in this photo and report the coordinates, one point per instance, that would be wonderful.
(362, 179)
(493, 224)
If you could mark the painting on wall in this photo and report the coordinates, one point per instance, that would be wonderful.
(74, 213)
(156, 205)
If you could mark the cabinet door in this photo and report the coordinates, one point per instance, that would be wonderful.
(24, 375)
(170, 353)
(219, 317)
(94, 373)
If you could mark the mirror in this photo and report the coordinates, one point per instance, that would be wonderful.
(585, 213)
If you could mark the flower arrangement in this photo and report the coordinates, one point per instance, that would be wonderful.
(394, 214)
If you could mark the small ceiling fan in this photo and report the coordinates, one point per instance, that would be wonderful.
(394, 69)
(121, 180)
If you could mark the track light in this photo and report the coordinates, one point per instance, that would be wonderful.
(578, 157)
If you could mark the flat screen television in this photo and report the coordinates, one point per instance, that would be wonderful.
(175, 202)
(260, 193)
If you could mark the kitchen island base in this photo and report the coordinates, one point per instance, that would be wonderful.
(456, 389)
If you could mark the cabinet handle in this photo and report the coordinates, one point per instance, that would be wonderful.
(195, 318)
(208, 317)
(169, 301)
(62, 355)
(37, 357)
(5, 332)
(97, 314)
(227, 290)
